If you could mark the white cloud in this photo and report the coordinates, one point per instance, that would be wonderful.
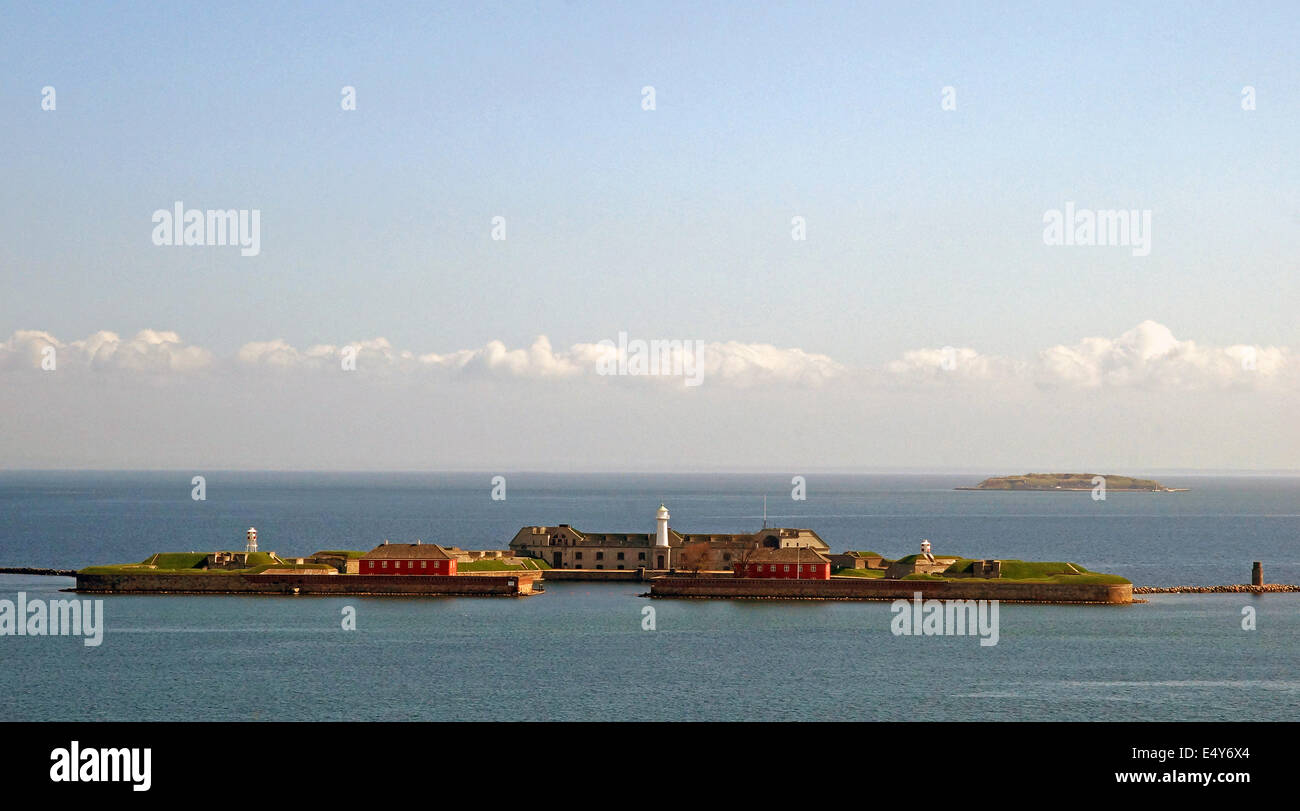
(948, 364)
(748, 364)
(537, 361)
(280, 354)
(148, 351)
(1149, 356)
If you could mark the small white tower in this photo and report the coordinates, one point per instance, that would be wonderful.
(251, 546)
(925, 551)
(661, 528)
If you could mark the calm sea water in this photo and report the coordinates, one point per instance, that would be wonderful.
(579, 651)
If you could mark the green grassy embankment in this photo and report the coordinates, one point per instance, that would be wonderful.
(1033, 571)
(494, 565)
(497, 566)
(188, 563)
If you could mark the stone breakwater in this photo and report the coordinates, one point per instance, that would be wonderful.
(1239, 588)
(35, 570)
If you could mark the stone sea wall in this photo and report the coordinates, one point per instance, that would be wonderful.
(864, 589)
(593, 575)
(505, 585)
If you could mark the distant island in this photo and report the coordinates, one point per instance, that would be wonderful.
(1073, 481)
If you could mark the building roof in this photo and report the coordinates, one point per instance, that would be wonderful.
(409, 551)
(788, 555)
(535, 535)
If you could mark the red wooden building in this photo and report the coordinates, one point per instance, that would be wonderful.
(791, 563)
(408, 558)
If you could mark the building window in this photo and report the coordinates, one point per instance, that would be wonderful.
(578, 555)
(424, 564)
(599, 566)
(620, 557)
(786, 568)
(640, 556)
(620, 566)
(726, 556)
(600, 556)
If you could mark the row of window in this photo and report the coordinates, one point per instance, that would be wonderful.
(771, 567)
(601, 556)
(397, 564)
(639, 556)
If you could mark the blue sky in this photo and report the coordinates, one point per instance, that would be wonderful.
(924, 225)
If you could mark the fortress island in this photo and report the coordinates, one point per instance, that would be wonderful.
(1073, 481)
(413, 569)
(769, 563)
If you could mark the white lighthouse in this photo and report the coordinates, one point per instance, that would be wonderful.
(251, 546)
(661, 526)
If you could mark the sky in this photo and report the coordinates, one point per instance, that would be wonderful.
(921, 322)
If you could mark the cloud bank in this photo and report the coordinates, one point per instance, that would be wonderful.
(1148, 356)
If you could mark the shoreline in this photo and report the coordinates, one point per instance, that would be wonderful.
(661, 586)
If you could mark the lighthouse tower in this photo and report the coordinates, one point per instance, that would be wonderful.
(662, 552)
(251, 546)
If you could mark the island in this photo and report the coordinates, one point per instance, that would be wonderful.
(856, 575)
(1073, 481)
(388, 569)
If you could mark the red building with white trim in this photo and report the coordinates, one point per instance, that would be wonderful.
(789, 563)
(408, 558)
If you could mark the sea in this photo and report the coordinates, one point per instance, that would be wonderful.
(587, 651)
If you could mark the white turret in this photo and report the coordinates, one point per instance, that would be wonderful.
(661, 528)
(251, 546)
